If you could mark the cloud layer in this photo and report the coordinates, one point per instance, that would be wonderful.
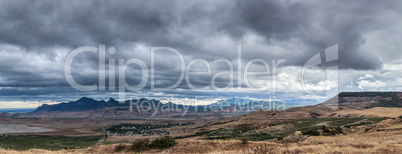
(36, 37)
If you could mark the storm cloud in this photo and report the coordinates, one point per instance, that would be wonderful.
(37, 36)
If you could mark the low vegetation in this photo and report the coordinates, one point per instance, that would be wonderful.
(312, 132)
(163, 143)
(358, 124)
(202, 133)
(313, 126)
(324, 131)
(120, 148)
(47, 142)
(237, 134)
(140, 145)
(244, 141)
(281, 129)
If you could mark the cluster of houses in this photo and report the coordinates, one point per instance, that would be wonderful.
(144, 133)
(126, 129)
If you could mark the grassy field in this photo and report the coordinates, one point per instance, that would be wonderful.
(237, 134)
(47, 142)
(281, 129)
(116, 142)
(391, 112)
(285, 128)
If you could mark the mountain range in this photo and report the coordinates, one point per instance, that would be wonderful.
(88, 107)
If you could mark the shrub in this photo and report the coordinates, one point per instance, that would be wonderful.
(325, 129)
(400, 117)
(244, 141)
(311, 132)
(163, 143)
(140, 145)
(120, 148)
(144, 144)
(339, 130)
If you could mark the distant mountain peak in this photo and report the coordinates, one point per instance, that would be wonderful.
(111, 100)
(85, 99)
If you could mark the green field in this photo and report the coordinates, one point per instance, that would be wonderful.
(238, 134)
(47, 142)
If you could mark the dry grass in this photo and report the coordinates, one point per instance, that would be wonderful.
(384, 137)
(370, 142)
(376, 111)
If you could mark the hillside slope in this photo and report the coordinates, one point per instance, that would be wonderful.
(383, 137)
(364, 100)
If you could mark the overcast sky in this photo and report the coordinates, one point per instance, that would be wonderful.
(37, 36)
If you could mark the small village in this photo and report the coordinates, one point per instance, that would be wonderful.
(126, 129)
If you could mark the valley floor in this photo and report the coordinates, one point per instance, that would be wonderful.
(384, 137)
(376, 130)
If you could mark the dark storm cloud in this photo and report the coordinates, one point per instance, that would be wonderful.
(318, 24)
(74, 24)
(48, 23)
(36, 36)
(271, 19)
